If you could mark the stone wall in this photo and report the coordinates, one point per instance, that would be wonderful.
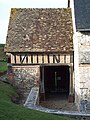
(76, 71)
(26, 76)
(84, 69)
(41, 30)
(84, 47)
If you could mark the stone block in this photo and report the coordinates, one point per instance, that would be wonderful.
(84, 57)
(26, 76)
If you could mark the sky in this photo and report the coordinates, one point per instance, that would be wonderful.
(6, 5)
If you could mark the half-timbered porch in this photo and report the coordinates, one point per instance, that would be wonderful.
(38, 41)
(56, 70)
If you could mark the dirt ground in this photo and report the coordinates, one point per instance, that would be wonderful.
(58, 101)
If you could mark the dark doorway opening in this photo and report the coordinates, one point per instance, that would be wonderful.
(56, 86)
(56, 80)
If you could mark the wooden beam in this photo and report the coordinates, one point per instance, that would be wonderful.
(22, 59)
(37, 58)
(64, 58)
(71, 58)
(31, 58)
(42, 58)
(53, 58)
(27, 59)
(48, 58)
(15, 59)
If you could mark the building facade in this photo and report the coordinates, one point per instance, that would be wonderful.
(81, 40)
(48, 48)
(40, 44)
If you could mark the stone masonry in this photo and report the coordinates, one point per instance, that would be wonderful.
(84, 69)
(27, 76)
(40, 30)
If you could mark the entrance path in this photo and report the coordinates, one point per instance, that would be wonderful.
(57, 101)
(31, 103)
(32, 97)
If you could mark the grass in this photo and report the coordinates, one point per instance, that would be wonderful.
(3, 66)
(12, 111)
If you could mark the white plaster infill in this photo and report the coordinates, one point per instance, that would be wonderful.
(32, 97)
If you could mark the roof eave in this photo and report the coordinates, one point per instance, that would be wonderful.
(83, 30)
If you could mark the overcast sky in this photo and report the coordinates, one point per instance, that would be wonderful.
(6, 5)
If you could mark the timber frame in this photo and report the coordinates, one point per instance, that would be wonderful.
(38, 58)
(46, 59)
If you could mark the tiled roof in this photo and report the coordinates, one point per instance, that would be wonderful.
(40, 30)
(82, 14)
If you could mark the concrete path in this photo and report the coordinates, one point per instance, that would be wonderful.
(32, 98)
(75, 114)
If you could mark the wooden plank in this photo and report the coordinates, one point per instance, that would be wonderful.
(61, 58)
(64, 58)
(37, 58)
(46, 53)
(67, 58)
(31, 58)
(57, 58)
(12, 58)
(34, 59)
(22, 59)
(15, 59)
(71, 58)
(48, 58)
(26, 59)
(45, 59)
(53, 59)
(42, 58)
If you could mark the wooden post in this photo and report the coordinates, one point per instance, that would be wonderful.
(71, 89)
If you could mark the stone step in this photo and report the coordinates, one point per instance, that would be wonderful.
(32, 97)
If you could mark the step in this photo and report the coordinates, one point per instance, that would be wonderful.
(32, 97)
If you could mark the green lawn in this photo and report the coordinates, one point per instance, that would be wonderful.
(11, 111)
(3, 66)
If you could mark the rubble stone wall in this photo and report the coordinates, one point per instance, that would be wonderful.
(26, 77)
(84, 69)
(76, 71)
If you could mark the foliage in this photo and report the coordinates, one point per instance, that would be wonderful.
(13, 11)
(11, 111)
